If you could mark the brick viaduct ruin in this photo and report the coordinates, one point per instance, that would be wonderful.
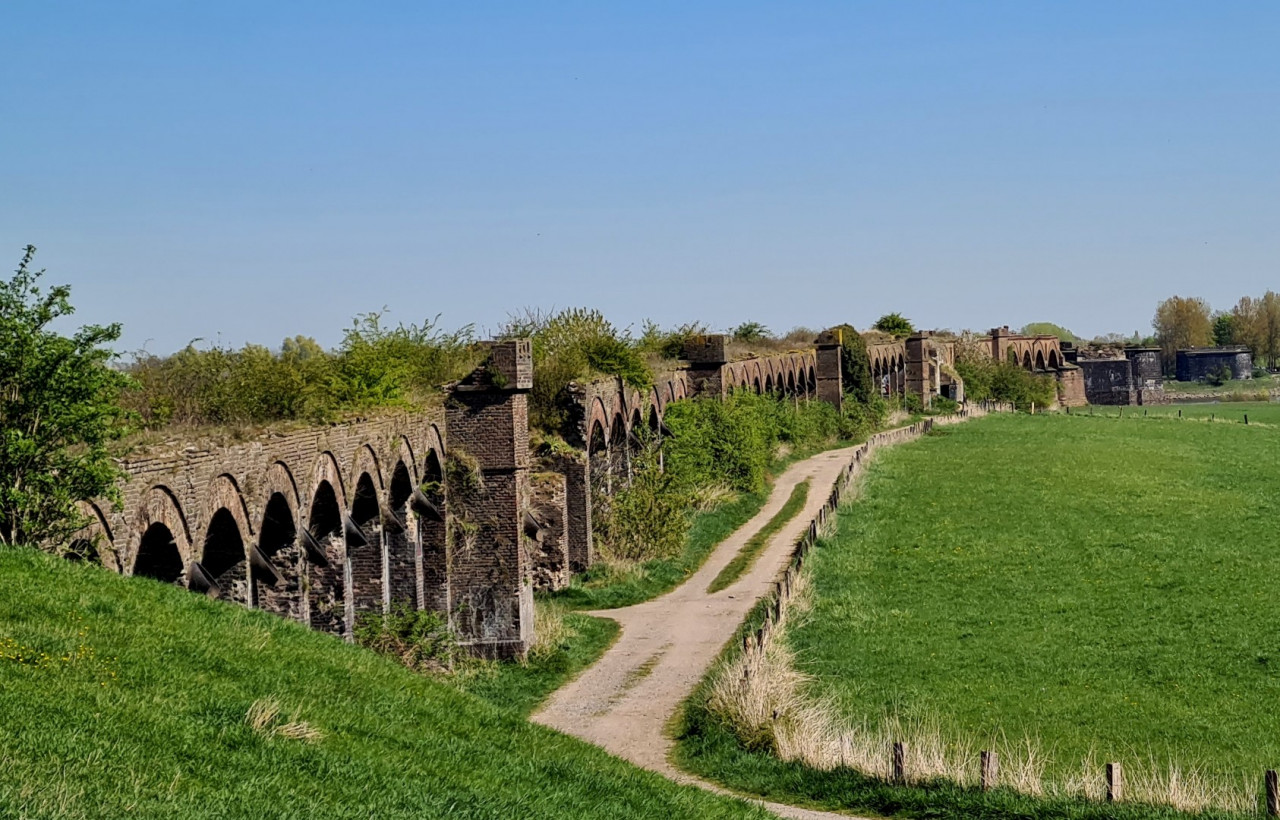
(448, 509)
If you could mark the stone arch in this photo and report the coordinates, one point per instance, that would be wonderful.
(1054, 362)
(791, 382)
(431, 581)
(598, 416)
(163, 549)
(364, 547)
(619, 452)
(326, 594)
(1026, 359)
(1039, 360)
(278, 543)
(228, 535)
(93, 542)
(768, 383)
(400, 537)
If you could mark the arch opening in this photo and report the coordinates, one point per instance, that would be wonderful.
(278, 541)
(158, 555)
(364, 561)
(431, 563)
(223, 556)
(326, 594)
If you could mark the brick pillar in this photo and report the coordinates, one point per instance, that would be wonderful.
(577, 489)
(918, 378)
(550, 555)
(706, 358)
(829, 373)
(491, 595)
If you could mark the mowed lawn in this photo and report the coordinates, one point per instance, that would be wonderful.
(123, 697)
(1099, 584)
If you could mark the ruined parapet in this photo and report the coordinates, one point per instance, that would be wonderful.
(1071, 392)
(578, 543)
(491, 606)
(919, 368)
(1108, 381)
(829, 365)
(706, 356)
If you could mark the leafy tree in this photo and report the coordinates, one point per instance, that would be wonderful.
(1049, 329)
(58, 411)
(1224, 332)
(1179, 323)
(894, 324)
(749, 332)
(1257, 324)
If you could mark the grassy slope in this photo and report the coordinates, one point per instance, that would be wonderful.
(152, 724)
(523, 687)
(1096, 583)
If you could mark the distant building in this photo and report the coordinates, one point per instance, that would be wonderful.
(1196, 363)
(1133, 378)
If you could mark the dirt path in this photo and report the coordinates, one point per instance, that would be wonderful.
(666, 646)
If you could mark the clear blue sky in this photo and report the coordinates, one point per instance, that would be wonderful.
(258, 170)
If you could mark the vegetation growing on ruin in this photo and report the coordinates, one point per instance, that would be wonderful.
(717, 464)
(376, 366)
(192, 708)
(895, 324)
(58, 411)
(1102, 593)
(987, 379)
(572, 345)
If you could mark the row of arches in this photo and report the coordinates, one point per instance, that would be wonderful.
(889, 368)
(792, 375)
(1032, 353)
(320, 548)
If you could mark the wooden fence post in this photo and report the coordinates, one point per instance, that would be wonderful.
(899, 762)
(1115, 783)
(990, 766)
(1273, 794)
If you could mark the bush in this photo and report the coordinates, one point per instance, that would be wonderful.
(58, 411)
(646, 519)
(569, 346)
(895, 324)
(419, 639)
(855, 364)
(375, 366)
(668, 344)
(987, 379)
(749, 332)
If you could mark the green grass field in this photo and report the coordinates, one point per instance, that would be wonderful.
(1103, 586)
(125, 697)
(1229, 412)
(1095, 583)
